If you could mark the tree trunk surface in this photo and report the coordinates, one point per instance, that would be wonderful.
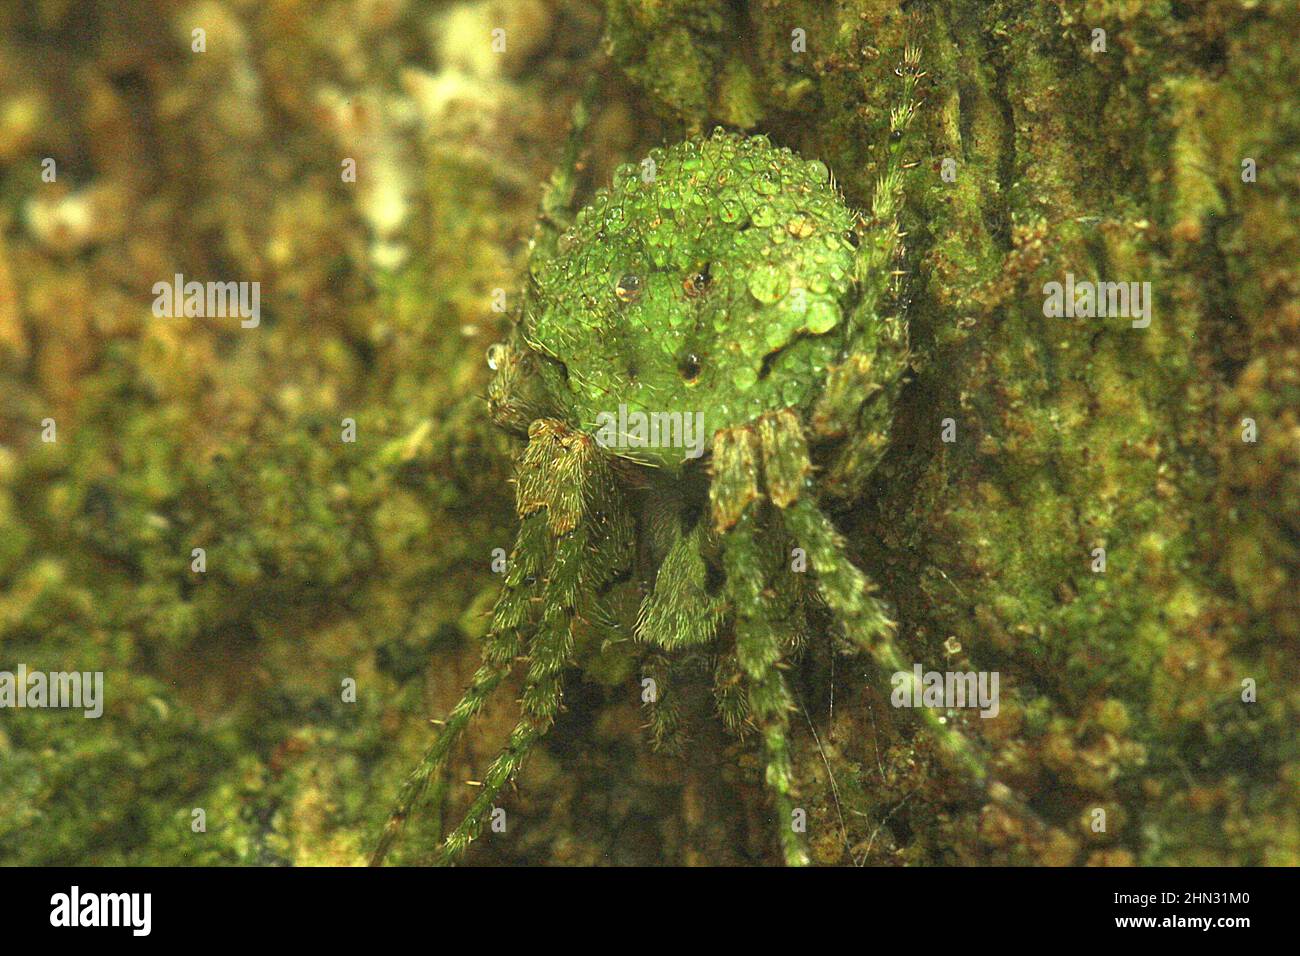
(1102, 510)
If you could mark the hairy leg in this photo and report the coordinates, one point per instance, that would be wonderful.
(760, 649)
(573, 529)
(878, 253)
(499, 651)
(846, 591)
(664, 716)
(565, 475)
(548, 651)
(516, 400)
(760, 645)
(557, 198)
(860, 392)
(680, 612)
(677, 616)
(729, 690)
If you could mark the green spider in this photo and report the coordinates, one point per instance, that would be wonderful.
(721, 284)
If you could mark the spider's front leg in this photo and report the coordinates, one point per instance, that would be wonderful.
(574, 537)
(846, 590)
(760, 646)
(564, 480)
(500, 649)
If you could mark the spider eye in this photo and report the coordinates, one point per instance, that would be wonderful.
(689, 366)
(628, 288)
(496, 356)
(697, 282)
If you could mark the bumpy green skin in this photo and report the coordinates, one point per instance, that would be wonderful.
(776, 244)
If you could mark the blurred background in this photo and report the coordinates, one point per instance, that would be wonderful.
(228, 155)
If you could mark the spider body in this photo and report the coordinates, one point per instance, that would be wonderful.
(725, 282)
(712, 279)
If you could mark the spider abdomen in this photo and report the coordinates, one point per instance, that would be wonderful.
(709, 282)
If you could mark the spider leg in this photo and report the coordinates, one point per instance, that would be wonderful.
(759, 645)
(846, 591)
(665, 722)
(860, 392)
(567, 503)
(557, 198)
(759, 649)
(501, 647)
(734, 484)
(485, 681)
(680, 612)
(564, 476)
(548, 650)
(856, 411)
(517, 402)
(883, 242)
(729, 691)
(843, 586)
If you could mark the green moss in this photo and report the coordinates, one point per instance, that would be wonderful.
(370, 560)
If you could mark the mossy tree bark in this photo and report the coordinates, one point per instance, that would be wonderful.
(1115, 142)
(1172, 446)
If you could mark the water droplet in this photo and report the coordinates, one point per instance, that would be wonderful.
(744, 378)
(767, 185)
(768, 284)
(822, 316)
(697, 281)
